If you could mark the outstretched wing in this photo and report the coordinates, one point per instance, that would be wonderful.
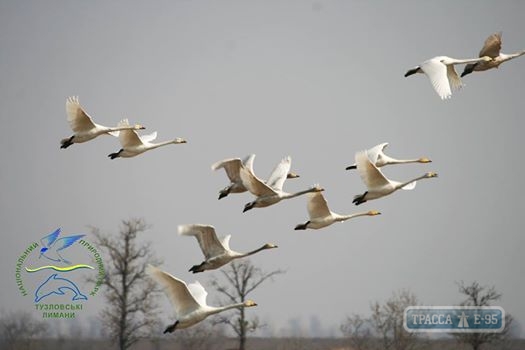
(453, 78)
(254, 184)
(374, 152)
(128, 138)
(492, 46)
(48, 240)
(437, 74)
(177, 291)
(78, 120)
(248, 162)
(198, 292)
(279, 174)
(65, 242)
(317, 206)
(370, 174)
(231, 166)
(148, 137)
(207, 238)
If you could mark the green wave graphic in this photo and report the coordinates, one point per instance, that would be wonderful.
(60, 269)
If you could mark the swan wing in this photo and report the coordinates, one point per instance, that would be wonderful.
(376, 151)
(207, 238)
(177, 291)
(254, 184)
(370, 174)
(198, 292)
(437, 74)
(128, 138)
(248, 162)
(453, 78)
(317, 206)
(226, 242)
(492, 46)
(279, 173)
(409, 186)
(78, 119)
(148, 137)
(231, 166)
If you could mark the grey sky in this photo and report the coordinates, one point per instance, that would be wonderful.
(314, 80)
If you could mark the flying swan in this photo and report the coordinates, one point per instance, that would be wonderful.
(270, 192)
(189, 301)
(232, 168)
(216, 252)
(321, 216)
(377, 183)
(83, 126)
(491, 48)
(443, 77)
(379, 158)
(133, 144)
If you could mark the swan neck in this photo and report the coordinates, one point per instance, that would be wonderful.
(216, 310)
(253, 251)
(401, 185)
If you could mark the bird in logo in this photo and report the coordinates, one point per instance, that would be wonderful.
(51, 246)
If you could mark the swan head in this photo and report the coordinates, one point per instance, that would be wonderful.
(179, 140)
(317, 188)
(373, 213)
(292, 175)
(249, 303)
(424, 160)
(139, 127)
(431, 174)
(248, 206)
(269, 246)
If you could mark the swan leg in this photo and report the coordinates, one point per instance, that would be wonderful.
(224, 192)
(359, 199)
(116, 154)
(197, 268)
(351, 167)
(171, 328)
(65, 143)
(302, 226)
(248, 206)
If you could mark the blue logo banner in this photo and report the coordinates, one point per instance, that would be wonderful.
(454, 319)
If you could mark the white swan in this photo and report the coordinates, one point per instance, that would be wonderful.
(216, 252)
(443, 77)
(492, 49)
(377, 183)
(189, 301)
(321, 216)
(83, 126)
(380, 159)
(271, 192)
(133, 144)
(232, 168)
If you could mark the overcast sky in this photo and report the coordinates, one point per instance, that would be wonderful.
(316, 80)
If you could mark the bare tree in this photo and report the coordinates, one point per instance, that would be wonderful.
(130, 313)
(357, 331)
(387, 320)
(384, 329)
(478, 295)
(241, 279)
(18, 330)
